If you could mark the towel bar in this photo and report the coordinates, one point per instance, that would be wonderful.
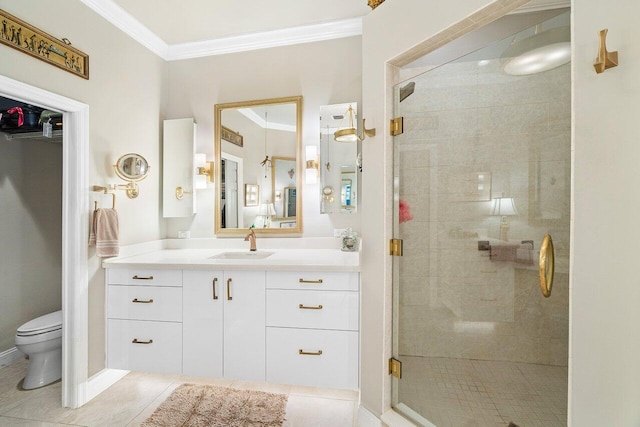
(106, 191)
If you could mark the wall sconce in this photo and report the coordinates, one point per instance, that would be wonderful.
(503, 207)
(204, 171)
(312, 169)
(350, 134)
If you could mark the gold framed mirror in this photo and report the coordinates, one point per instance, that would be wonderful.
(258, 145)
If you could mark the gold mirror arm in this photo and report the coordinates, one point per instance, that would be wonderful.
(546, 266)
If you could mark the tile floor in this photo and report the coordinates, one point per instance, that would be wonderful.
(132, 399)
(464, 393)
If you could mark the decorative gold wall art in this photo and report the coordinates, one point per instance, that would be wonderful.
(231, 136)
(35, 42)
(375, 3)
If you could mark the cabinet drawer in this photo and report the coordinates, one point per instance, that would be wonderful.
(159, 347)
(325, 280)
(144, 277)
(144, 303)
(313, 309)
(332, 359)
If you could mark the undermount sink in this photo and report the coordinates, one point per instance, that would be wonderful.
(242, 255)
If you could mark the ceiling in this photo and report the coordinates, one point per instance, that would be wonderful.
(197, 28)
(197, 20)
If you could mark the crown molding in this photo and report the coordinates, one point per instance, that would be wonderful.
(536, 6)
(262, 40)
(130, 25)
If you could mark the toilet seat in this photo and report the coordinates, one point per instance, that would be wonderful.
(51, 322)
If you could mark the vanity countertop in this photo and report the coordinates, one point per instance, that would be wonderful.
(280, 260)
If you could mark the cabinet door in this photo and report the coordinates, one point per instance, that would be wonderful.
(202, 323)
(244, 325)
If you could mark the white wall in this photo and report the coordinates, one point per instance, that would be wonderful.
(605, 319)
(323, 73)
(31, 230)
(125, 97)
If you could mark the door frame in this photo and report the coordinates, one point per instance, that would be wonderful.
(75, 228)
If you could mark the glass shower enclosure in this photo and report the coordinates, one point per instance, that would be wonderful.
(482, 177)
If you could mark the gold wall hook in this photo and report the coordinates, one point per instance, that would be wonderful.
(606, 59)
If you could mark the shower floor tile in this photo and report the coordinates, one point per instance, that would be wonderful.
(461, 392)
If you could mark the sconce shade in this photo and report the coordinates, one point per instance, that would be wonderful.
(503, 206)
(204, 171)
(311, 170)
(540, 52)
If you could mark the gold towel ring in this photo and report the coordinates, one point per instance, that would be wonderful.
(546, 267)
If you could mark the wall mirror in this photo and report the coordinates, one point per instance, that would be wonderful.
(258, 146)
(338, 160)
(131, 167)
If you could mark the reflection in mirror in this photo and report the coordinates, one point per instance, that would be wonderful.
(337, 161)
(257, 146)
(283, 181)
(132, 167)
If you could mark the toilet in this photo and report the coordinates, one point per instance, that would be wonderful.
(41, 340)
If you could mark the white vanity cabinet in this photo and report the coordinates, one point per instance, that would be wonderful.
(227, 321)
(312, 328)
(224, 324)
(144, 320)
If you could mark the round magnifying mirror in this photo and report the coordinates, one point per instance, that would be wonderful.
(132, 167)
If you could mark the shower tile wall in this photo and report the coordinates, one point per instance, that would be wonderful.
(466, 120)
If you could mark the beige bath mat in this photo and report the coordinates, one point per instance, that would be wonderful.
(193, 405)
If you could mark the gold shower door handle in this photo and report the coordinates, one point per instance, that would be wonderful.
(229, 297)
(546, 266)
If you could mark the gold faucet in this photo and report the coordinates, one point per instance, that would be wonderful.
(251, 237)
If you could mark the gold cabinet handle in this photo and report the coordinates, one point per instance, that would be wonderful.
(229, 297)
(135, 341)
(301, 280)
(136, 277)
(546, 266)
(142, 301)
(213, 285)
(308, 307)
(310, 353)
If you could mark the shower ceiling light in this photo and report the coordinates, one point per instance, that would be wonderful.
(540, 52)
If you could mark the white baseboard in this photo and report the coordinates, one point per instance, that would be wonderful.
(394, 419)
(367, 419)
(10, 357)
(102, 381)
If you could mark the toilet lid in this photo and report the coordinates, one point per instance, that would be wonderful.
(47, 323)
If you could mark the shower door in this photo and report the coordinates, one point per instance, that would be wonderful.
(482, 176)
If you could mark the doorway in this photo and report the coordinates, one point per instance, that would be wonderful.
(75, 224)
(483, 172)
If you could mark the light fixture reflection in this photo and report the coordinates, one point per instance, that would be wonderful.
(540, 52)
(347, 134)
